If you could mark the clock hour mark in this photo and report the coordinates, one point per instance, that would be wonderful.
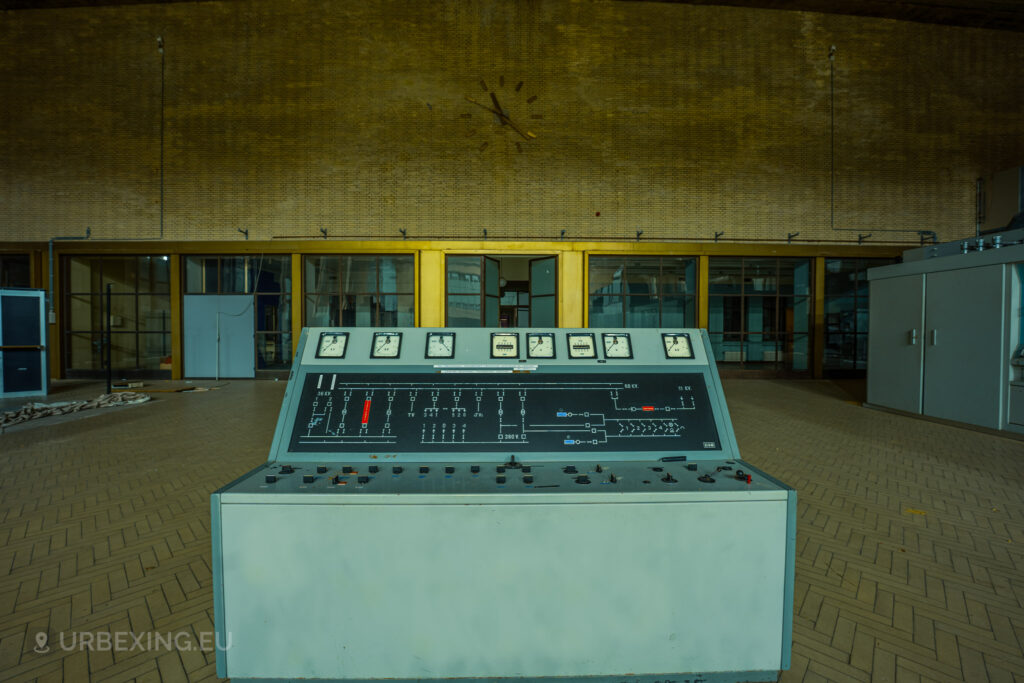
(531, 99)
(483, 85)
(483, 146)
(519, 86)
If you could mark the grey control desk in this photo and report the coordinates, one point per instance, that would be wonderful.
(504, 504)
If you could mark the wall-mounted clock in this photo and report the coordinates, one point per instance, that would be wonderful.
(504, 108)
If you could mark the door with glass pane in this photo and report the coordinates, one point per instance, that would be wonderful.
(472, 291)
(543, 292)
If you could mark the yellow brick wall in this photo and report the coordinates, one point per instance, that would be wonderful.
(287, 117)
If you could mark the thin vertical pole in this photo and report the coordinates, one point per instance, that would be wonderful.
(106, 322)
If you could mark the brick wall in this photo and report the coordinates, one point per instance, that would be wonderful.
(287, 117)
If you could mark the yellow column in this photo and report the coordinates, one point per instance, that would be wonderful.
(572, 289)
(702, 291)
(298, 297)
(54, 340)
(430, 286)
(818, 331)
(177, 322)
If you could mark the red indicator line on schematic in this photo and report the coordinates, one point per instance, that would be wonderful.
(366, 411)
(647, 408)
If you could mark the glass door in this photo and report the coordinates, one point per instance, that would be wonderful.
(543, 292)
(472, 291)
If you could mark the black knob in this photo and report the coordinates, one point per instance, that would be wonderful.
(599, 469)
(337, 480)
(346, 470)
(658, 469)
(500, 469)
(528, 479)
(321, 469)
(307, 478)
(499, 479)
(363, 480)
(396, 470)
(612, 478)
(374, 469)
(475, 469)
(271, 478)
(424, 469)
(706, 478)
(287, 469)
(526, 469)
(449, 469)
(668, 478)
(583, 479)
(569, 469)
(692, 467)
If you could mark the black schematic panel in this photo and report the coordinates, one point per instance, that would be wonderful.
(342, 412)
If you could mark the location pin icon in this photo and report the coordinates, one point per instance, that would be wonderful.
(41, 647)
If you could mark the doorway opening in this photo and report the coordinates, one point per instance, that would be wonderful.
(501, 291)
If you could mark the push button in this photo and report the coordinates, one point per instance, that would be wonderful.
(569, 469)
(449, 469)
(270, 478)
(307, 478)
(346, 470)
(321, 469)
(424, 469)
(500, 479)
(363, 480)
(287, 469)
(475, 469)
(583, 479)
(374, 469)
(396, 470)
(528, 479)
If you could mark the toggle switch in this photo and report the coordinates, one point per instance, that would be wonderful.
(668, 478)
(569, 469)
(583, 479)
(706, 478)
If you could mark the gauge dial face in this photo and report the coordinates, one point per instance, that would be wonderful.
(504, 345)
(617, 345)
(581, 345)
(440, 345)
(386, 345)
(332, 345)
(677, 345)
(540, 345)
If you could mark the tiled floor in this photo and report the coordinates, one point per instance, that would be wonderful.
(910, 555)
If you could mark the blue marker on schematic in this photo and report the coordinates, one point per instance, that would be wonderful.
(568, 442)
(562, 414)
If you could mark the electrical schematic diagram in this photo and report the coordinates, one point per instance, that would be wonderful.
(542, 412)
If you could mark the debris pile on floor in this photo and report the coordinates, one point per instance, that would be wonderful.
(33, 411)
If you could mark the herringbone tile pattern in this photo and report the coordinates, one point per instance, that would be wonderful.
(910, 554)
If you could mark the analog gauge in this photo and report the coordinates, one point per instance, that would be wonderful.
(440, 345)
(540, 345)
(677, 345)
(581, 345)
(386, 345)
(332, 345)
(504, 345)
(617, 345)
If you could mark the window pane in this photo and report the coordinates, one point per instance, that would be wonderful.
(724, 275)
(464, 311)
(14, 270)
(717, 347)
(642, 311)
(795, 276)
(273, 351)
(464, 275)
(397, 311)
(799, 352)
(123, 351)
(84, 313)
(154, 274)
(155, 351)
(84, 274)
(397, 274)
(84, 352)
(605, 311)
(677, 311)
(154, 313)
(725, 314)
(122, 312)
(322, 273)
(358, 274)
(840, 277)
(273, 313)
(605, 275)
(270, 274)
(232, 275)
(760, 276)
(358, 310)
(642, 275)
(678, 275)
(121, 273)
(321, 310)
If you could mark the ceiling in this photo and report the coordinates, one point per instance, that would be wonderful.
(1005, 15)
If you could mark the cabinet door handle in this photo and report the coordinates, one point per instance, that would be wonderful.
(913, 336)
(935, 337)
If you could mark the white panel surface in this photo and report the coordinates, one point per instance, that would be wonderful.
(494, 590)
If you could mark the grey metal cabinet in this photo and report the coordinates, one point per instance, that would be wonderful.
(895, 345)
